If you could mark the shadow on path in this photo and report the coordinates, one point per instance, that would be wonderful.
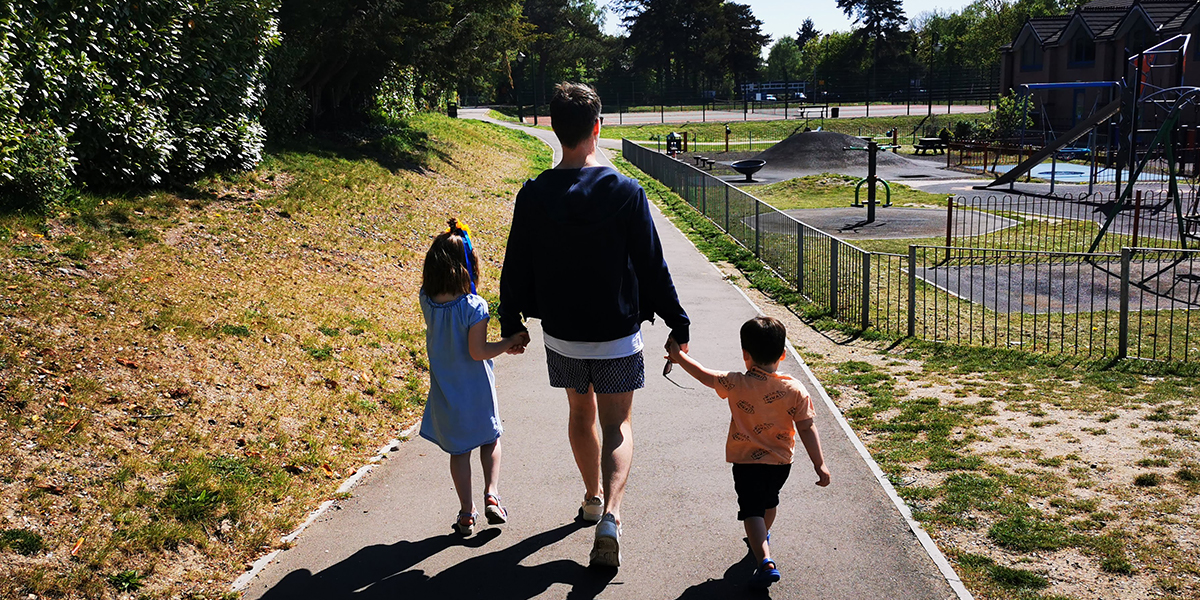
(733, 584)
(382, 571)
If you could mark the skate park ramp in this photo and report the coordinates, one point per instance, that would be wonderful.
(824, 151)
(812, 152)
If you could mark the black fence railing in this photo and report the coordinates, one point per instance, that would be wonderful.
(1127, 303)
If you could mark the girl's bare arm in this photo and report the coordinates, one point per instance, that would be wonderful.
(481, 349)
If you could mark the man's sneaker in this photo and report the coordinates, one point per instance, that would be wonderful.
(606, 550)
(592, 509)
(765, 575)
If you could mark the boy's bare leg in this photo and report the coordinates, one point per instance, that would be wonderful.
(585, 442)
(616, 425)
(756, 536)
(769, 519)
(460, 473)
(489, 457)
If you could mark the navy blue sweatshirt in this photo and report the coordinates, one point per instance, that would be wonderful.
(584, 257)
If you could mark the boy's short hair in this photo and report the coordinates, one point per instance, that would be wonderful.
(764, 338)
(574, 110)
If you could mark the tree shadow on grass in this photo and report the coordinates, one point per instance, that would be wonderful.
(385, 571)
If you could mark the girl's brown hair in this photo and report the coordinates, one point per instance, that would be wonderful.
(445, 270)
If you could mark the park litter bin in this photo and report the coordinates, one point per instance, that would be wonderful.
(833, 112)
(674, 143)
(452, 110)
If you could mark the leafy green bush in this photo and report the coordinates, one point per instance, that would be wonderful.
(38, 168)
(143, 92)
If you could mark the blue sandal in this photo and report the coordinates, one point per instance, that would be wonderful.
(495, 512)
(765, 575)
(465, 524)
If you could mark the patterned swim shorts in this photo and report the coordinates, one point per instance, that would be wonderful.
(606, 376)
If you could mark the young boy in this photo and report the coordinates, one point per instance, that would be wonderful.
(768, 409)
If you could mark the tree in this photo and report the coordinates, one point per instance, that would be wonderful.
(566, 35)
(338, 51)
(783, 61)
(746, 41)
(807, 33)
(880, 19)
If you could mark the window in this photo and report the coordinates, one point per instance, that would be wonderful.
(1031, 55)
(1083, 51)
(1138, 40)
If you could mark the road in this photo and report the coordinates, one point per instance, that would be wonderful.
(771, 114)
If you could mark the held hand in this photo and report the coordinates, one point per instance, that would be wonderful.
(517, 343)
(672, 350)
(823, 474)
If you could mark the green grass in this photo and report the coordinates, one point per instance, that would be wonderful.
(830, 190)
(777, 130)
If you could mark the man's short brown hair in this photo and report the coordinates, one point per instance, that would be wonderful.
(574, 110)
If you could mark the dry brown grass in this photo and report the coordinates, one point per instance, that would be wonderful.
(183, 376)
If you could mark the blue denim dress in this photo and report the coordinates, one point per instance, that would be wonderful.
(461, 413)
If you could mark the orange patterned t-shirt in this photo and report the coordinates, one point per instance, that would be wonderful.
(765, 408)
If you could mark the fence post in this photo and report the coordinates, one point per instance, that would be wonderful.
(757, 229)
(799, 257)
(866, 290)
(726, 208)
(1137, 213)
(703, 196)
(1123, 327)
(833, 276)
(949, 221)
(912, 291)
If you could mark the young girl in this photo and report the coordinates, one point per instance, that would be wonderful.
(461, 413)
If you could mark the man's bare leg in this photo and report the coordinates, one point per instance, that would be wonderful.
(616, 456)
(585, 441)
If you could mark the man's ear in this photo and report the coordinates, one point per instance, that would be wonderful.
(745, 355)
(596, 128)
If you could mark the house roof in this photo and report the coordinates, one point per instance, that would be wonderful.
(1176, 23)
(1104, 18)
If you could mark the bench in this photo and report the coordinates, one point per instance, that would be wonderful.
(934, 144)
(699, 160)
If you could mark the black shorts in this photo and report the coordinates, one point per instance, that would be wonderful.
(757, 487)
(606, 375)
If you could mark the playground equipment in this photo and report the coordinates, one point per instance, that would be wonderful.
(748, 167)
(870, 180)
(1131, 134)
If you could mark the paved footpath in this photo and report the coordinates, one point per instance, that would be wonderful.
(391, 538)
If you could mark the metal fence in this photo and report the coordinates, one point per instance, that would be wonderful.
(1062, 224)
(1132, 302)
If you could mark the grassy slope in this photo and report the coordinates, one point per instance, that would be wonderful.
(183, 376)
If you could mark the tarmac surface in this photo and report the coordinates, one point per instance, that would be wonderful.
(391, 537)
(773, 112)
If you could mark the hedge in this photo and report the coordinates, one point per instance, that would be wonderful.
(116, 93)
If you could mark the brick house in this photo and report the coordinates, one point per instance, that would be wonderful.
(1093, 43)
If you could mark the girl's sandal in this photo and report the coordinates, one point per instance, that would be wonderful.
(496, 513)
(465, 524)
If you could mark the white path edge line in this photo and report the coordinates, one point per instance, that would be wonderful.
(243, 580)
(927, 542)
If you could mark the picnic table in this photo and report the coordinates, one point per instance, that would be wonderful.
(925, 144)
